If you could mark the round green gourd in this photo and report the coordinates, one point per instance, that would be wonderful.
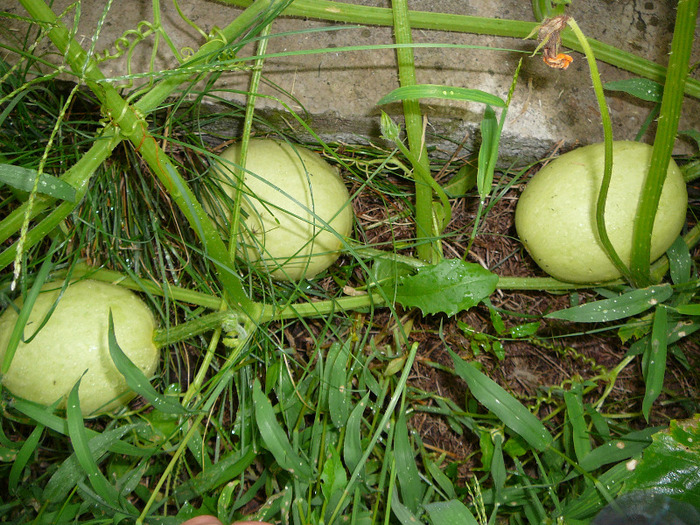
(290, 193)
(555, 215)
(73, 340)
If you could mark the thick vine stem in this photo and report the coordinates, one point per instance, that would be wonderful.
(428, 251)
(669, 115)
(357, 14)
(131, 123)
(607, 133)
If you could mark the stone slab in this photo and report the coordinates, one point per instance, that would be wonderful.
(336, 92)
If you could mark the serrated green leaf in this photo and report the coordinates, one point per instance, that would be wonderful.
(23, 179)
(626, 305)
(638, 87)
(449, 286)
(671, 464)
(508, 409)
(418, 91)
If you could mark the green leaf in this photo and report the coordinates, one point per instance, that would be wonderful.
(23, 179)
(17, 334)
(334, 479)
(70, 472)
(418, 91)
(618, 449)
(591, 500)
(688, 309)
(274, 436)
(407, 472)
(352, 446)
(655, 360)
(449, 286)
(671, 464)
(450, 512)
(79, 440)
(401, 511)
(463, 182)
(680, 262)
(575, 412)
(23, 456)
(489, 141)
(638, 87)
(338, 387)
(508, 409)
(626, 305)
(136, 379)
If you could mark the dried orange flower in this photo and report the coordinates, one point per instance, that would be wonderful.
(549, 37)
(561, 61)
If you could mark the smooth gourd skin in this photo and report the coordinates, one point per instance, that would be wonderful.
(73, 340)
(290, 193)
(555, 215)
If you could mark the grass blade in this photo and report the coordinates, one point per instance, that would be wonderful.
(489, 141)
(23, 179)
(419, 91)
(511, 412)
(449, 513)
(407, 472)
(71, 471)
(136, 379)
(626, 305)
(618, 449)
(338, 394)
(274, 436)
(642, 88)
(23, 317)
(79, 440)
(23, 456)
(655, 359)
(352, 445)
(574, 410)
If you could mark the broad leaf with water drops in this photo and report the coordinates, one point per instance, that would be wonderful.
(449, 286)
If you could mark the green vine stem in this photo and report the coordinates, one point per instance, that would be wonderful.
(671, 104)
(271, 312)
(607, 133)
(425, 247)
(133, 126)
(357, 14)
(79, 175)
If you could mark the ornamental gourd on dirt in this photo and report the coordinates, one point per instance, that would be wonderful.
(74, 340)
(297, 209)
(555, 215)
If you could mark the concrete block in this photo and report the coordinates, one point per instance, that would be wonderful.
(336, 92)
